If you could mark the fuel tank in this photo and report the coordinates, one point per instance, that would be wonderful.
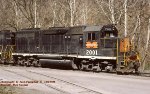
(62, 64)
(49, 57)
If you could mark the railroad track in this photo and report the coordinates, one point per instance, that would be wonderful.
(84, 89)
(88, 90)
(49, 86)
(142, 74)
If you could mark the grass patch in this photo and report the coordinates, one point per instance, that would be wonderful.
(6, 90)
(147, 66)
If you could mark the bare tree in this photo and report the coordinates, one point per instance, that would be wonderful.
(27, 9)
(125, 19)
(131, 16)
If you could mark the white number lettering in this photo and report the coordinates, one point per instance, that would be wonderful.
(91, 52)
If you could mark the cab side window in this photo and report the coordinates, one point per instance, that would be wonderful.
(91, 36)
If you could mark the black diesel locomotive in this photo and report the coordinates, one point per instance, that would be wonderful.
(94, 48)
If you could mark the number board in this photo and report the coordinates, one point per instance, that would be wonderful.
(108, 29)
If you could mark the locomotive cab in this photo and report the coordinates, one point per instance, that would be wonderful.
(100, 40)
(91, 40)
(100, 44)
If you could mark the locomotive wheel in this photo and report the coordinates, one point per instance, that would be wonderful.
(119, 72)
(79, 66)
(38, 64)
(96, 69)
(20, 62)
(74, 66)
(84, 67)
(2, 61)
(5, 63)
(27, 64)
(13, 63)
(107, 70)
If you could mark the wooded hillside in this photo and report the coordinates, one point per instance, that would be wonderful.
(132, 17)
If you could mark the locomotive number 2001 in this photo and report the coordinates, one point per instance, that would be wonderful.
(91, 52)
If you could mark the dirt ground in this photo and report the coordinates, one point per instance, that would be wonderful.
(104, 83)
(17, 90)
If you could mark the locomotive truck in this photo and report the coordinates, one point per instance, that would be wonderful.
(92, 48)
